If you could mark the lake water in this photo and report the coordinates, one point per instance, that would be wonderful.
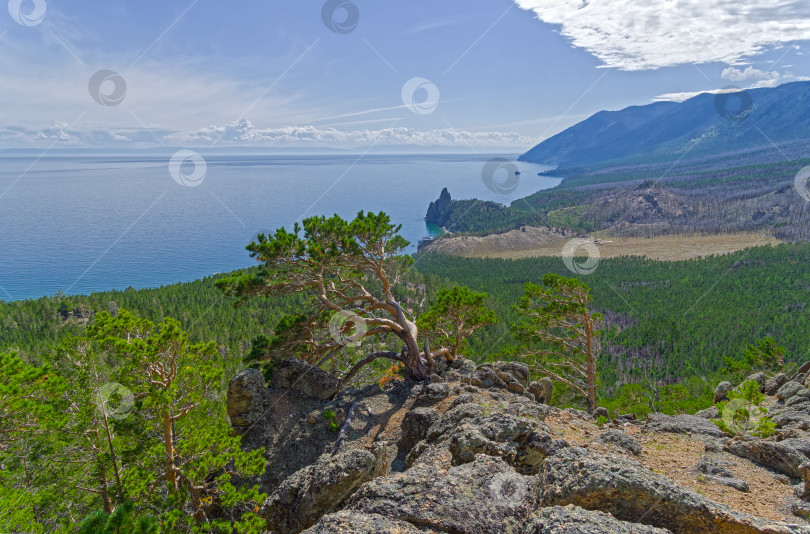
(85, 223)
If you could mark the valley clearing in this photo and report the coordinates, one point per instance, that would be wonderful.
(529, 242)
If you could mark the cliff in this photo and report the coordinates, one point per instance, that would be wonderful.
(439, 211)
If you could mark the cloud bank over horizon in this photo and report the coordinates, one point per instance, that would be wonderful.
(243, 133)
(632, 36)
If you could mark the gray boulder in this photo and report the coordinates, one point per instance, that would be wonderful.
(621, 440)
(483, 497)
(773, 384)
(465, 432)
(805, 471)
(542, 390)
(601, 411)
(794, 416)
(485, 376)
(776, 455)
(295, 375)
(514, 371)
(574, 520)
(712, 412)
(716, 471)
(318, 489)
(722, 390)
(759, 378)
(789, 390)
(804, 369)
(682, 424)
(247, 399)
(801, 444)
(629, 492)
(434, 392)
(415, 426)
(359, 523)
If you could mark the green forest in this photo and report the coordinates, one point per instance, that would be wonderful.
(670, 332)
(664, 320)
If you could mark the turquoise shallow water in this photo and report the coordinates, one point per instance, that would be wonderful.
(91, 223)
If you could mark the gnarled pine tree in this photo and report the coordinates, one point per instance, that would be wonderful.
(349, 270)
(559, 333)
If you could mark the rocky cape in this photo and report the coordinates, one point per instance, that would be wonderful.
(478, 450)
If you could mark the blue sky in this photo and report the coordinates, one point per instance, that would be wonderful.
(497, 74)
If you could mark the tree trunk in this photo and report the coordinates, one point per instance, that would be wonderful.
(105, 495)
(416, 368)
(168, 444)
(591, 365)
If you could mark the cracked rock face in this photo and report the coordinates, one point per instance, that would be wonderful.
(453, 457)
(629, 492)
(321, 488)
(482, 496)
(574, 520)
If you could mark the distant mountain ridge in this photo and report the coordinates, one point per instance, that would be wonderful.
(703, 124)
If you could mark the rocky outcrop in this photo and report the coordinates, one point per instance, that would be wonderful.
(466, 432)
(722, 390)
(789, 389)
(574, 520)
(483, 496)
(416, 424)
(451, 456)
(359, 523)
(321, 488)
(773, 384)
(542, 390)
(247, 399)
(682, 424)
(439, 212)
(717, 471)
(629, 492)
(621, 440)
(296, 375)
(778, 456)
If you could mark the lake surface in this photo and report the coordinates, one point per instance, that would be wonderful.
(92, 223)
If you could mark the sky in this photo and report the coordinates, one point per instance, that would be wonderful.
(361, 74)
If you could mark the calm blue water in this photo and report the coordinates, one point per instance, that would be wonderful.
(91, 223)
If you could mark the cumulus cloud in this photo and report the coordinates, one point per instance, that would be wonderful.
(758, 77)
(243, 133)
(633, 35)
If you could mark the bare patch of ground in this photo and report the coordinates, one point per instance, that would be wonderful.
(529, 242)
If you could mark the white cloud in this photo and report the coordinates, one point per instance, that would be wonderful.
(634, 35)
(243, 133)
(750, 73)
(686, 95)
